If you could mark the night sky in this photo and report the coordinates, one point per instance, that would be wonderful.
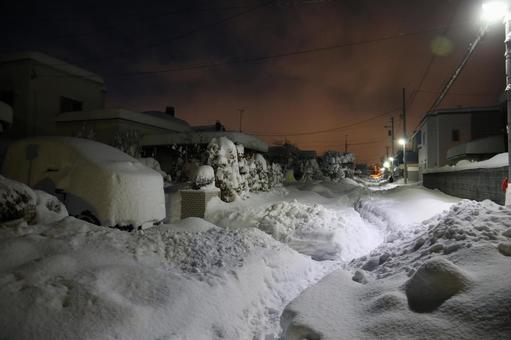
(209, 59)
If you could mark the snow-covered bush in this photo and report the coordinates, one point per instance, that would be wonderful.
(334, 165)
(19, 201)
(243, 188)
(261, 167)
(276, 176)
(223, 157)
(310, 170)
(205, 178)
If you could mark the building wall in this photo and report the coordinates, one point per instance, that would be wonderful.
(38, 89)
(476, 184)
(446, 124)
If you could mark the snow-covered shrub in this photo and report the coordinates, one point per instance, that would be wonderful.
(223, 157)
(244, 170)
(310, 170)
(334, 165)
(129, 142)
(205, 178)
(261, 168)
(276, 176)
(155, 165)
(17, 200)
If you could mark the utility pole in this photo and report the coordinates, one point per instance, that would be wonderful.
(405, 169)
(346, 144)
(392, 135)
(386, 152)
(241, 117)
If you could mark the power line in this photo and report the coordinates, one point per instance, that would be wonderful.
(247, 60)
(326, 130)
(194, 31)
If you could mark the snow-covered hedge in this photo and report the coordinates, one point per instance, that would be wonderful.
(236, 174)
(335, 165)
(205, 178)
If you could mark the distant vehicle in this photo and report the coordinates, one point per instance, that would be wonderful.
(96, 182)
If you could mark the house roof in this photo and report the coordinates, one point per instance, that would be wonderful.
(52, 62)
(170, 123)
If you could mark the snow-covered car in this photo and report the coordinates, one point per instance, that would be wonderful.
(95, 181)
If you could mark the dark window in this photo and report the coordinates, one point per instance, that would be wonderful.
(7, 97)
(455, 135)
(68, 105)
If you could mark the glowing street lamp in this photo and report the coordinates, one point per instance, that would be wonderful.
(402, 142)
(494, 11)
(386, 164)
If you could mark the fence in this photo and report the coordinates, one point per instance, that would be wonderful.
(475, 184)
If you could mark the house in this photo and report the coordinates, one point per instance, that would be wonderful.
(105, 125)
(445, 129)
(39, 88)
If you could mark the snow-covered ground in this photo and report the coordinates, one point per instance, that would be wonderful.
(445, 278)
(232, 275)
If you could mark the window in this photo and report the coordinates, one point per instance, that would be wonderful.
(68, 105)
(455, 135)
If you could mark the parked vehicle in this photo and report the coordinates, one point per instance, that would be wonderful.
(95, 181)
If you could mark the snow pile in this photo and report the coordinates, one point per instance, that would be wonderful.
(447, 279)
(465, 224)
(48, 208)
(321, 233)
(401, 208)
(74, 280)
(152, 163)
(310, 170)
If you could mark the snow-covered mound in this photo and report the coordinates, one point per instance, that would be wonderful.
(449, 279)
(466, 224)
(74, 280)
(323, 234)
(402, 207)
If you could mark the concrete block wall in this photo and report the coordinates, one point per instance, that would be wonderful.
(475, 184)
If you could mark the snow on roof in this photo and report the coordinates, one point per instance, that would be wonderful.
(497, 161)
(481, 146)
(55, 63)
(249, 141)
(5, 112)
(119, 113)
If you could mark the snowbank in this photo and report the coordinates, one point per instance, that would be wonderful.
(447, 279)
(401, 208)
(74, 280)
(321, 233)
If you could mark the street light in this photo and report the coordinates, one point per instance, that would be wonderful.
(386, 164)
(391, 159)
(494, 11)
(402, 142)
